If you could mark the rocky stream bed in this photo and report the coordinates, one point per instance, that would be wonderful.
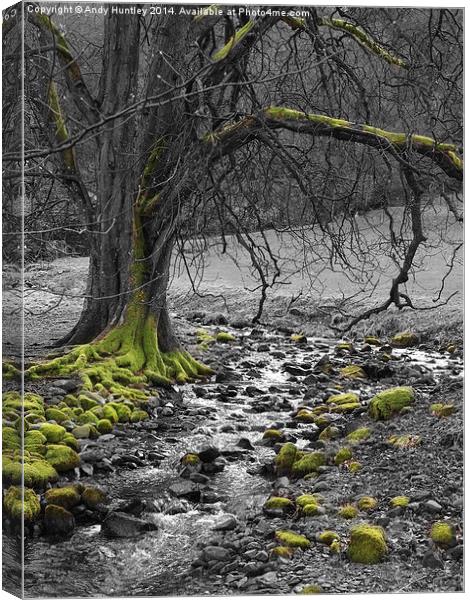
(179, 525)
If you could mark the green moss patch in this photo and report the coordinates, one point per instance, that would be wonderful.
(292, 540)
(443, 533)
(66, 496)
(359, 434)
(367, 544)
(390, 402)
(22, 504)
(277, 502)
(405, 339)
(348, 511)
(62, 458)
(367, 503)
(342, 456)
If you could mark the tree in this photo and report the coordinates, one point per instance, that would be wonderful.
(182, 98)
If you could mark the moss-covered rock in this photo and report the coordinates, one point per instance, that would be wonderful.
(110, 413)
(292, 540)
(405, 339)
(225, 337)
(274, 435)
(58, 520)
(442, 410)
(348, 511)
(71, 401)
(367, 544)
(342, 456)
(138, 415)
(123, 411)
(282, 551)
(52, 432)
(353, 372)
(87, 418)
(443, 533)
(10, 439)
(308, 463)
(359, 434)
(345, 408)
(54, 414)
(279, 503)
(311, 588)
(71, 441)
(354, 466)
(327, 537)
(86, 402)
(308, 504)
(404, 441)
(66, 496)
(330, 433)
(345, 346)
(286, 458)
(372, 340)
(299, 338)
(62, 458)
(33, 439)
(389, 402)
(402, 501)
(22, 504)
(367, 503)
(93, 497)
(105, 426)
(305, 416)
(190, 458)
(36, 471)
(346, 398)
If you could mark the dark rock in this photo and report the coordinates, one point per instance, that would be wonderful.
(58, 520)
(245, 443)
(68, 385)
(226, 523)
(216, 553)
(123, 525)
(186, 489)
(431, 506)
(432, 561)
(199, 478)
(209, 454)
(456, 552)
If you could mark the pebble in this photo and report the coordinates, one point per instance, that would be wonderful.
(226, 523)
(432, 507)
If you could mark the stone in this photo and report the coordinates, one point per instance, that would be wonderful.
(123, 525)
(186, 489)
(58, 520)
(432, 561)
(226, 523)
(216, 553)
(431, 506)
(209, 454)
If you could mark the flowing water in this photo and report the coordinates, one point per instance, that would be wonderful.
(91, 564)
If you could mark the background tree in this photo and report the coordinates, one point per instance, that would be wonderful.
(186, 121)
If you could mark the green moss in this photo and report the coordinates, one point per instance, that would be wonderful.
(348, 511)
(400, 501)
(305, 416)
(308, 499)
(87, 418)
(10, 439)
(308, 463)
(105, 426)
(389, 402)
(34, 438)
(292, 540)
(330, 433)
(347, 398)
(282, 552)
(276, 502)
(345, 408)
(58, 520)
(190, 458)
(138, 415)
(405, 339)
(52, 432)
(71, 441)
(311, 588)
(286, 458)
(81, 432)
(404, 441)
(442, 410)
(22, 504)
(86, 402)
(109, 413)
(299, 338)
(367, 544)
(225, 337)
(354, 466)
(322, 422)
(442, 533)
(62, 458)
(345, 346)
(342, 456)
(71, 401)
(204, 338)
(328, 537)
(124, 413)
(367, 503)
(372, 340)
(353, 372)
(67, 496)
(273, 434)
(362, 433)
(93, 496)
(54, 414)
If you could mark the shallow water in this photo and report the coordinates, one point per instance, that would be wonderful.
(90, 564)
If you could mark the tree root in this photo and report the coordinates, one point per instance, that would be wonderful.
(123, 362)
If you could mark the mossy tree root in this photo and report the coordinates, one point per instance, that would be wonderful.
(123, 361)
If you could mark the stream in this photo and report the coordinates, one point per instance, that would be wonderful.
(255, 392)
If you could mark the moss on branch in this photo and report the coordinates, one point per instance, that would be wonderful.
(61, 132)
(233, 41)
